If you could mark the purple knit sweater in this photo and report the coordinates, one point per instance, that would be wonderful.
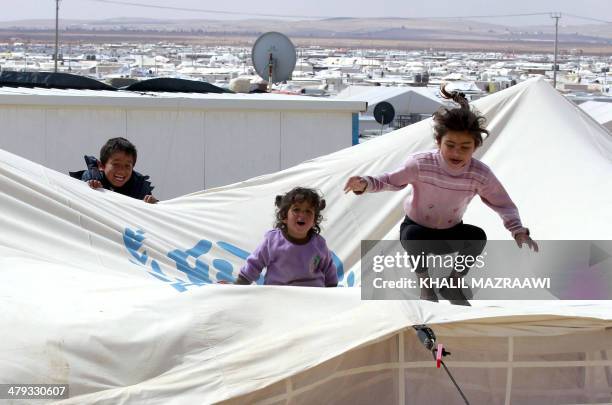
(441, 194)
(288, 263)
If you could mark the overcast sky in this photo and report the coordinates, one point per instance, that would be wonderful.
(103, 9)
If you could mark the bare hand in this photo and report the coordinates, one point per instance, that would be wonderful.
(94, 183)
(150, 199)
(355, 184)
(241, 280)
(522, 237)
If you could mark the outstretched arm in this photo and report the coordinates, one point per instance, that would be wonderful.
(356, 184)
(392, 181)
(496, 197)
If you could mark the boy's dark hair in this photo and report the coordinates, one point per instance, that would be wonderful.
(117, 145)
(298, 195)
(460, 119)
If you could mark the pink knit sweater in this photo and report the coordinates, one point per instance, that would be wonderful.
(441, 194)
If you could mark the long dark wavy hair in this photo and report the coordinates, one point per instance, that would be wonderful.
(297, 195)
(460, 119)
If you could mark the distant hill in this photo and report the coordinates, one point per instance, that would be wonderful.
(352, 28)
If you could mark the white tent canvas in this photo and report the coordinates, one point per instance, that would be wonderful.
(405, 100)
(118, 299)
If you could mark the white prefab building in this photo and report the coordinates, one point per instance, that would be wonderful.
(186, 142)
(600, 111)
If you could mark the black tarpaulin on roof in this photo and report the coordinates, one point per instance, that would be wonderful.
(51, 80)
(175, 86)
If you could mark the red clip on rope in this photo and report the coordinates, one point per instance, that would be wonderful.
(439, 352)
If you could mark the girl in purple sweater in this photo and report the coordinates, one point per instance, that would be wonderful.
(444, 181)
(293, 252)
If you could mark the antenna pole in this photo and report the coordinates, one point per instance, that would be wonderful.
(556, 16)
(56, 32)
(270, 72)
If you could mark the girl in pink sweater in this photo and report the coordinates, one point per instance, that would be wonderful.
(444, 181)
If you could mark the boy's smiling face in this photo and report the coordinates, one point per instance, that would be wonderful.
(118, 168)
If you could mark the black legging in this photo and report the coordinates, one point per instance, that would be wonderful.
(461, 238)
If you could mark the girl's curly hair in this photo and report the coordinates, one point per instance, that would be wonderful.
(297, 195)
(460, 119)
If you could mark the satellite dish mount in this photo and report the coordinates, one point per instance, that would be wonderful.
(270, 71)
(273, 57)
(384, 114)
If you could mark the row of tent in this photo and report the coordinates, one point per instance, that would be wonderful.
(53, 80)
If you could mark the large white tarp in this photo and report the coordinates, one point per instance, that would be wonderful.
(117, 298)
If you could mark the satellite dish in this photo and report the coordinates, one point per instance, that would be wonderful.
(273, 57)
(384, 113)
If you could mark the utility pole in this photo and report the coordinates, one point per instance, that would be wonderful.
(56, 31)
(556, 16)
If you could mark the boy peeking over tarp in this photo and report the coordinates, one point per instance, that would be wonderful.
(115, 171)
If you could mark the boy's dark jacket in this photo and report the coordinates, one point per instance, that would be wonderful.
(138, 186)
